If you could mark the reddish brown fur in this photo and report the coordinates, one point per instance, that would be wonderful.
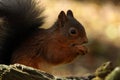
(49, 47)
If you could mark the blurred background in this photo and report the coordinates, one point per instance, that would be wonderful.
(101, 19)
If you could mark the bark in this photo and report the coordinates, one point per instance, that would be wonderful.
(21, 72)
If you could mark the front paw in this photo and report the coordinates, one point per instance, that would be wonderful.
(81, 50)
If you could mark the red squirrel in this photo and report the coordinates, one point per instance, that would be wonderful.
(22, 40)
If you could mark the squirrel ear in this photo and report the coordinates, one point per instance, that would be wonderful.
(62, 18)
(69, 13)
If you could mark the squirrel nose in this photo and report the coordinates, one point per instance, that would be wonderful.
(85, 40)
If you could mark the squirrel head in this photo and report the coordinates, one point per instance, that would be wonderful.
(67, 39)
(71, 29)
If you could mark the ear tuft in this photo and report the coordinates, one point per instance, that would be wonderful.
(62, 18)
(61, 15)
(69, 13)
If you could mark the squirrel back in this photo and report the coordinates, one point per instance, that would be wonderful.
(22, 41)
(18, 20)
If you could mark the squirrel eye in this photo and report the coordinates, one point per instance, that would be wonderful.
(72, 31)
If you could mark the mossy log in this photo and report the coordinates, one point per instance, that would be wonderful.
(21, 72)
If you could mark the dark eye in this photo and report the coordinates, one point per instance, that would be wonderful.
(73, 31)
